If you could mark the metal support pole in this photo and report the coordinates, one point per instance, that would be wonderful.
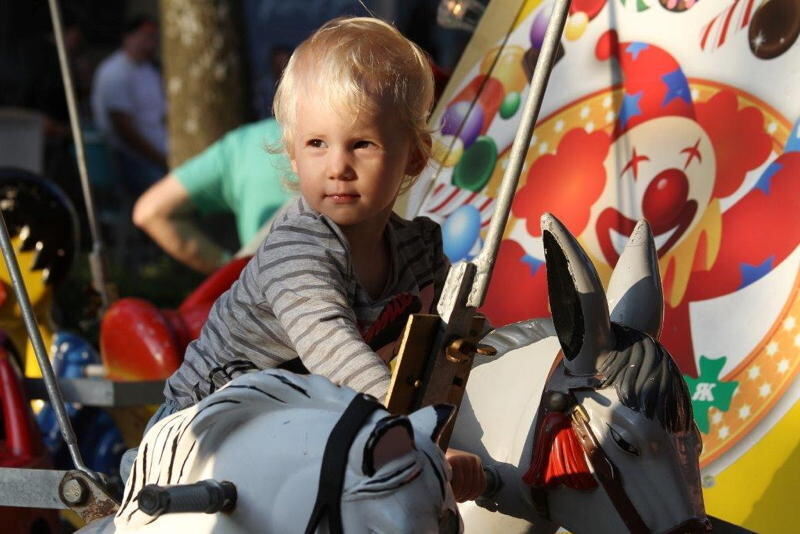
(541, 74)
(49, 376)
(97, 263)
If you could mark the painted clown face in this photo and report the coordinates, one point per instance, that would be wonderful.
(666, 179)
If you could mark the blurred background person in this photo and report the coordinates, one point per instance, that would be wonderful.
(241, 174)
(129, 106)
(264, 83)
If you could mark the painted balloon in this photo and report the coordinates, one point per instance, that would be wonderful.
(476, 248)
(460, 231)
(576, 25)
(539, 26)
(510, 105)
(476, 166)
(774, 28)
(532, 54)
(507, 68)
(470, 121)
(678, 5)
(447, 150)
(590, 7)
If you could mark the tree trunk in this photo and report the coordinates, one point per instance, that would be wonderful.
(203, 73)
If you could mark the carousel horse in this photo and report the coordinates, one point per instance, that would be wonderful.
(585, 420)
(267, 433)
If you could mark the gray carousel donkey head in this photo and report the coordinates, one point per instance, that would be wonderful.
(265, 436)
(604, 440)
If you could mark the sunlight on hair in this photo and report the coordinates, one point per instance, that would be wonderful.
(361, 61)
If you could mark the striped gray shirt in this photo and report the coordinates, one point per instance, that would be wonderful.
(299, 296)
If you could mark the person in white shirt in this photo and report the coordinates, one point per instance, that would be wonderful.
(129, 106)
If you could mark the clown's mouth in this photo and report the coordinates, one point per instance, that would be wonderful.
(613, 229)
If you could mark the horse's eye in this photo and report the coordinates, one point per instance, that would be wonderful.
(622, 443)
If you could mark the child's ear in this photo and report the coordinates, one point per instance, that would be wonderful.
(418, 159)
(294, 164)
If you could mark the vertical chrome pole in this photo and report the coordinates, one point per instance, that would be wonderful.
(541, 74)
(97, 263)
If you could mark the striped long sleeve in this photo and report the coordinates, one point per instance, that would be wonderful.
(306, 277)
(299, 297)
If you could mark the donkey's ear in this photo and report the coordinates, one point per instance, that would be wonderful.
(577, 300)
(634, 292)
(391, 438)
(432, 420)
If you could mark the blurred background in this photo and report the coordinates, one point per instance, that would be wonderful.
(247, 43)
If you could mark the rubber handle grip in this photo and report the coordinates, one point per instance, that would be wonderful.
(207, 496)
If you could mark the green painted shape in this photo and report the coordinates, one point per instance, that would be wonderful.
(709, 390)
(510, 105)
(473, 170)
(640, 5)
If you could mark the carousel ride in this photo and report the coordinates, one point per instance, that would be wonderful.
(597, 418)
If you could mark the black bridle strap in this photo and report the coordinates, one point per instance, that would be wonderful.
(334, 463)
(607, 474)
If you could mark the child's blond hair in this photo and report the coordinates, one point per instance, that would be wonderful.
(361, 61)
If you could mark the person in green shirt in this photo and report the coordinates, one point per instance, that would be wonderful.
(237, 174)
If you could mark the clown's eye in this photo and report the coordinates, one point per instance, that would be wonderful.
(622, 443)
(692, 152)
(633, 164)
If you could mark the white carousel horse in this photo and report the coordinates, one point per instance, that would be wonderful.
(266, 432)
(585, 420)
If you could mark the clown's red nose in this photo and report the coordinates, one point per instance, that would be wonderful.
(663, 199)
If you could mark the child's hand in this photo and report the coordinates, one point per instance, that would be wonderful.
(469, 480)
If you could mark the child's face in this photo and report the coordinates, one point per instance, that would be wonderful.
(350, 169)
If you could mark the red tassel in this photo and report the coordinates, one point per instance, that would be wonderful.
(558, 457)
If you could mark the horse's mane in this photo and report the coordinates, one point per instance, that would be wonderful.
(258, 392)
(171, 448)
(647, 379)
(642, 371)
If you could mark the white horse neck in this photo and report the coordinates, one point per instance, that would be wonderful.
(502, 400)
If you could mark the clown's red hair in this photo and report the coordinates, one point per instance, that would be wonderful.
(738, 149)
